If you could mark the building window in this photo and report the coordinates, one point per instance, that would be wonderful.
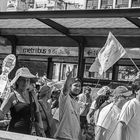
(127, 73)
(106, 4)
(92, 4)
(122, 3)
(95, 75)
(64, 72)
(135, 3)
(35, 67)
(56, 71)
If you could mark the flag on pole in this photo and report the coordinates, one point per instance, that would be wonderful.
(108, 55)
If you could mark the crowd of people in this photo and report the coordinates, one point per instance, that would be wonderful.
(70, 113)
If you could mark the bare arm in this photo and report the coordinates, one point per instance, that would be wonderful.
(121, 131)
(100, 133)
(68, 82)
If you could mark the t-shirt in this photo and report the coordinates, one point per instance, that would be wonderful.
(56, 114)
(130, 114)
(69, 116)
(93, 105)
(108, 119)
(83, 99)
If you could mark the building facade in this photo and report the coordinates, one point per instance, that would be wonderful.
(112, 4)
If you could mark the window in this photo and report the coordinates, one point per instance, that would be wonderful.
(135, 3)
(64, 72)
(127, 73)
(56, 71)
(122, 3)
(95, 75)
(35, 66)
(107, 4)
(92, 4)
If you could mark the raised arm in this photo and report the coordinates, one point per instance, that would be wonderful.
(68, 82)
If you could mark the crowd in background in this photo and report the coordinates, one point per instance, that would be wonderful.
(70, 113)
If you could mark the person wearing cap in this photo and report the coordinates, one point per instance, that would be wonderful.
(129, 120)
(69, 110)
(45, 108)
(19, 104)
(108, 117)
(102, 96)
(84, 99)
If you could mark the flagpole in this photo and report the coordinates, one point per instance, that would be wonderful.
(133, 62)
(97, 83)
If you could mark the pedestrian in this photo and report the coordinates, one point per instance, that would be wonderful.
(129, 120)
(84, 99)
(69, 110)
(102, 98)
(19, 103)
(108, 117)
(44, 95)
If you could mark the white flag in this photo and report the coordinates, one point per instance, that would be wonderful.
(109, 54)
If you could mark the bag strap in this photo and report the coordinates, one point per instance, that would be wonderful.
(45, 114)
(31, 107)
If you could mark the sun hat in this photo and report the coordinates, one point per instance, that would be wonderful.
(103, 90)
(22, 72)
(121, 91)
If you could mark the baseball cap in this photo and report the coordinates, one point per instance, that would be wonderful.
(22, 72)
(121, 90)
(103, 90)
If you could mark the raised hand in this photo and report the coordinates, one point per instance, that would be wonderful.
(69, 81)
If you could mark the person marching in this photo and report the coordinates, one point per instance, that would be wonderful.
(129, 120)
(18, 102)
(108, 117)
(69, 110)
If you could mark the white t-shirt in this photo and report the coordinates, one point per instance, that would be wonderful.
(108, 119)
(56, 114)
(130, 114)
(69, 116)
(93, 105)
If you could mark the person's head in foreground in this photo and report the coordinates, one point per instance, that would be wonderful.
(103, 96)
(121, 94)
(22, 79)
(75, 87)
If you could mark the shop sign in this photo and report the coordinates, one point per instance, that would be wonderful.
(69, 51)
(55, 51)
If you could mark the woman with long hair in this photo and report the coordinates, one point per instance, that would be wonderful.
(21, 102)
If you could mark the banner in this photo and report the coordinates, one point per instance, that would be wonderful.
(108, 55)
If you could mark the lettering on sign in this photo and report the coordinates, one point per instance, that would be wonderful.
(58, 51)
(48, 51)
(68, 51)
